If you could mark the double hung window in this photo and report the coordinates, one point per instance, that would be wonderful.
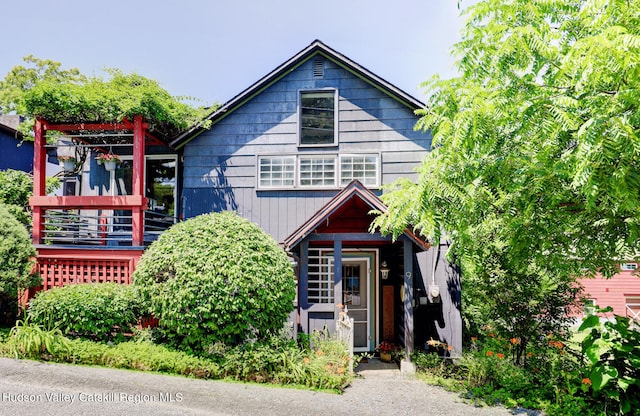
(318, 118)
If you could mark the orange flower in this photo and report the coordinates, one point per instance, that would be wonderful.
(474, 339)
(529, 354)
(492, 335)
(586, 381)
(557, 344)
(340, 370)
(307, 360)
(515, 341)
(320, 353)
(450, 348)
(489, 353)
(500, 355)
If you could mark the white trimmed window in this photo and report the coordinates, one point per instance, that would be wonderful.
(589, 307)
(276, 171)
(318, 118)
(320, 278)
(628, 266)
(361, 167)
(318, 171)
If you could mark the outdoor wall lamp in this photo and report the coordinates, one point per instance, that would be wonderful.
(384, 270)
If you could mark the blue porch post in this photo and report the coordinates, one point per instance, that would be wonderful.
(408, 298)
(337, 271)
(303, 283)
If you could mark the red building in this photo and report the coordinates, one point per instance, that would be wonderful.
(621, 292)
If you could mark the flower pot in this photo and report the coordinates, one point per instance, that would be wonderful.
(110, 165)
(385, 357)
(69, 165)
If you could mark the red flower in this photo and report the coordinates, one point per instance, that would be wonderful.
(386, 347)
(489, 353)
(500, 355)
(586, 381)
(515, 341)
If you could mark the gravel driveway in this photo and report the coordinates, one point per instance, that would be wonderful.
(35, 388)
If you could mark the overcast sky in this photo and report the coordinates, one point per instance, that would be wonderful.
(214, 49)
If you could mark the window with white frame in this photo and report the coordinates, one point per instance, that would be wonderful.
(320, 277)
(590, 307)
(318, 118)
(628, 266)
(276, 171)
(317, 171)
(361, 167)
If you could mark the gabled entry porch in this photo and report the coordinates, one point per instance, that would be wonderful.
(342, 263)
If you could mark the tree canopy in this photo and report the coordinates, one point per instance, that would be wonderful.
(42, 89)
(536, 141)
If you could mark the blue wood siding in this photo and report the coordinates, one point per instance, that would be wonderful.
(220, 165)
(15, 154)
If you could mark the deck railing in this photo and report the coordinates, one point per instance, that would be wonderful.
(92, 227)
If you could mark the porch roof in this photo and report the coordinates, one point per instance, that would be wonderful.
(353, 190)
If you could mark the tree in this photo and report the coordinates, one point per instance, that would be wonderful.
(536, 139)
(16, 187)
(43, 89)
(23, 78)
(16, 262)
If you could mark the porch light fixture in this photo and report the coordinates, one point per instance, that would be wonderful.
(384, 270)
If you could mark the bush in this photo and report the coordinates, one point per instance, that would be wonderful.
(612, 350)
(216, 278)
(100, 311)
(16, 263)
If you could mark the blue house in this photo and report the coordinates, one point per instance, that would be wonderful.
(14, 152)
(304, 152)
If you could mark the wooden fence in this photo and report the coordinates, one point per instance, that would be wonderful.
(344, 333)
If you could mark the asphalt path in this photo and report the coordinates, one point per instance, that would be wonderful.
(37, 388)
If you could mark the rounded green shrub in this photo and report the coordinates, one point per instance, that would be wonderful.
(216, 278)
(16, 263)
(100, 311)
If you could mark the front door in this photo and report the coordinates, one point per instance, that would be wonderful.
(355, 288)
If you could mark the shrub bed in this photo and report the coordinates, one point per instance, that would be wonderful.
(277, 360)
(100, 311)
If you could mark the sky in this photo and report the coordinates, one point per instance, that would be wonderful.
(214, 49)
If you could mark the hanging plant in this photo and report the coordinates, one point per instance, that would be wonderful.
(110, 160)
(68, 162)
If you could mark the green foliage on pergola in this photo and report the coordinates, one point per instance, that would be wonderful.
(43, 89)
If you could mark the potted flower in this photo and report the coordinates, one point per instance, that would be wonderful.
(386, 349)
(109, 160)
(68, 162)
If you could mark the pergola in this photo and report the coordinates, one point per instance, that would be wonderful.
(61, 262)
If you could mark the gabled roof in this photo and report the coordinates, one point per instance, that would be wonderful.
(354, 189)
(9, 124)
(315, 48)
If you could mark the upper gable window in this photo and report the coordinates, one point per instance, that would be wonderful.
(318, 118)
